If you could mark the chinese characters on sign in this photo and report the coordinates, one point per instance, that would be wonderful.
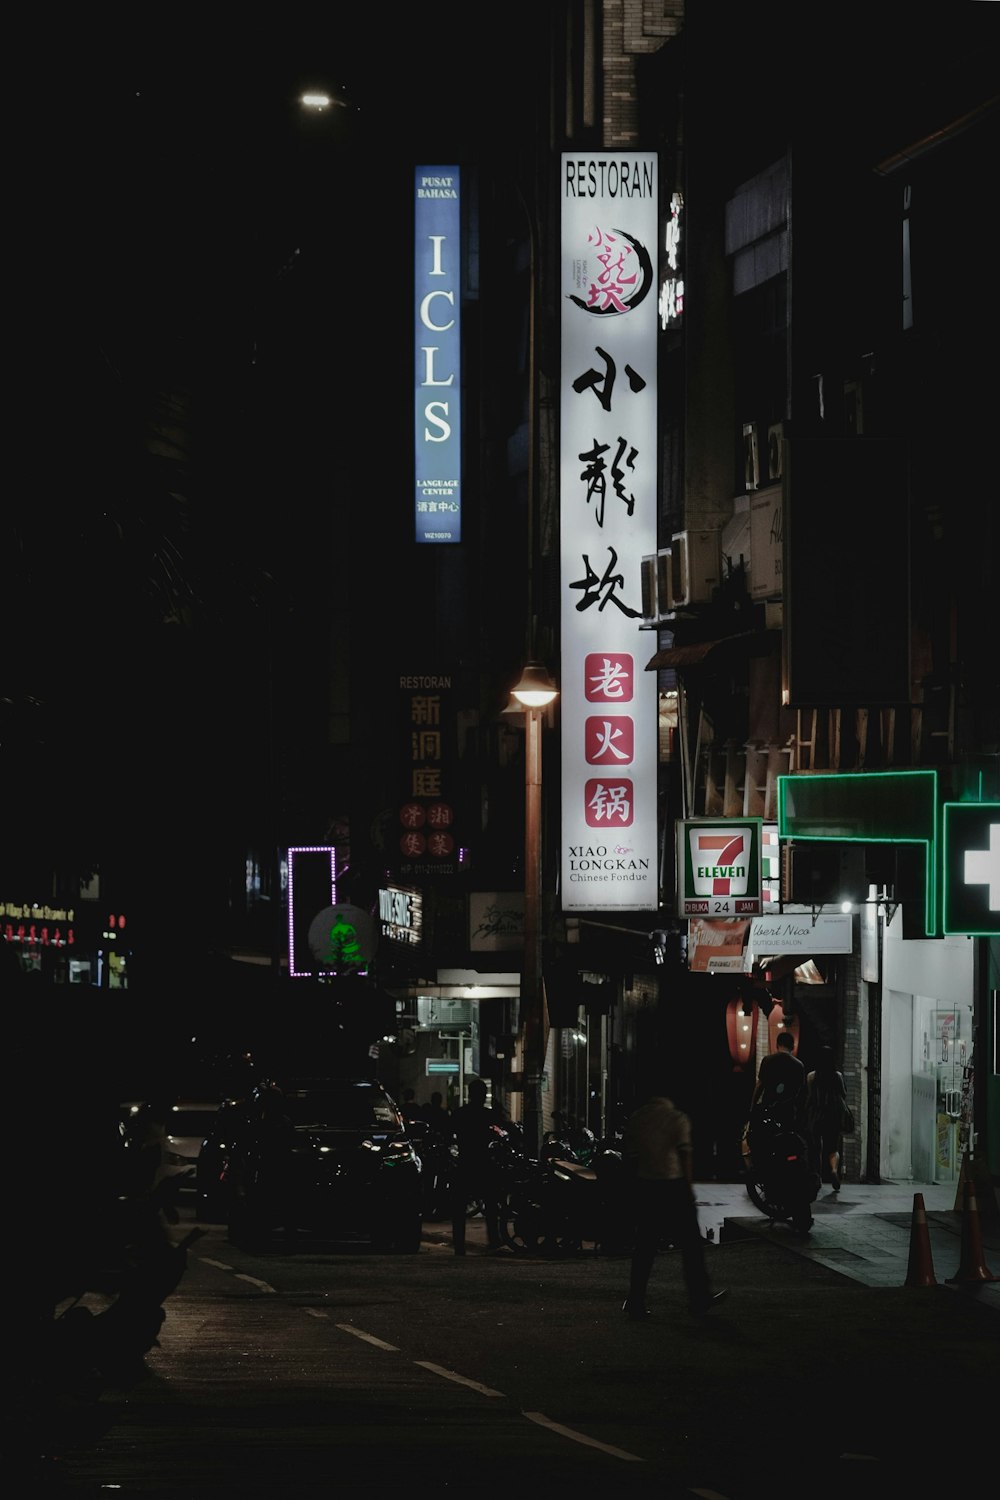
(427, 842)
(672, 286)
(608, 486)
(437, 355)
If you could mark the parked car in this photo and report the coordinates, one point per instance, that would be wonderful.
(334, 1157)
(173, 1131)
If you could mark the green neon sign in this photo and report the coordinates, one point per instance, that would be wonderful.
(867, 807)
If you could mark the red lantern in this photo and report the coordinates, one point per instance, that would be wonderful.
(741, 1029)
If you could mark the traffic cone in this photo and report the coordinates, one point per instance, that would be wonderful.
(920, 1267)
(972, 1266)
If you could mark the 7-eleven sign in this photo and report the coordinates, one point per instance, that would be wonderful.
(718, 867)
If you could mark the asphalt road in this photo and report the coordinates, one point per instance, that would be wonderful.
(314, 1369)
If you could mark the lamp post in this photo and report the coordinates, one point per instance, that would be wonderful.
(535, 691)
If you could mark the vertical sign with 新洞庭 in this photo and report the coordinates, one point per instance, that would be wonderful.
(437, 355)
(428, 843)
(607, 518)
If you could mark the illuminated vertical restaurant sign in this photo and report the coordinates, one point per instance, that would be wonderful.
(428, 835)
(437, 355)
(607, 508)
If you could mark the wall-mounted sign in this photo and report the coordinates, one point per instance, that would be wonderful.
(971, 861)
(342, 939)
(37, 925)
(428, 835)
(718, 867)
(866, 807)
(608, 516)
(717, 946)
(437, 374)
(799, 932)
(401, 913)
(672, 279)
(496, 921)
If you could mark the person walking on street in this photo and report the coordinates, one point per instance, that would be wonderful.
(659, 1159)
(826, 1099)
(474, 1129)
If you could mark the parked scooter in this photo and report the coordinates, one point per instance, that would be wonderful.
(560, 1205)
(781, 1179)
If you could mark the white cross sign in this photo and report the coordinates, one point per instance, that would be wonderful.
(982, 867)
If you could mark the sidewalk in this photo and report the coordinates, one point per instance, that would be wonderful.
(863, 1232)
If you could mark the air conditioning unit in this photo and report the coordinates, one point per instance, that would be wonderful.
(663, 605)
(751, 457)
(649, 588)
(695, 567)
(656, 585)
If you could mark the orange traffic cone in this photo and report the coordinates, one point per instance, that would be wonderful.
(920, 1267)
(972, 1266)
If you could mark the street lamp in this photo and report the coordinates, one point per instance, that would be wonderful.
(535, 691)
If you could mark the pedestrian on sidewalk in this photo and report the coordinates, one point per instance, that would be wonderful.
(826, 1101)
(659, 1159)
(475, 1128)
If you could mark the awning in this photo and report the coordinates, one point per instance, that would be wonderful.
(695, 653)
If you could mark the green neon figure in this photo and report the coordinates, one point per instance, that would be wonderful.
(345, 948)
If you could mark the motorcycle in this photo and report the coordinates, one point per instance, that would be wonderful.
(437, 1170)
(780, 1177)
(558, 1205)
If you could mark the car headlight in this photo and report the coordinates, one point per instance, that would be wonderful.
(400, 1153)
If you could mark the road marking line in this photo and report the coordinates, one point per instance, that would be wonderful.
(578, 1437)
(317, 1312)
(255, 1281)
(474, 1385)
(369, 1338)
(220, 1264)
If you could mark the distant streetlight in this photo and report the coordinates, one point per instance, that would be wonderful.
(535, 692)
(320, 101)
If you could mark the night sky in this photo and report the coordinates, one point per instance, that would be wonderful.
(189, 256)
(211, 296)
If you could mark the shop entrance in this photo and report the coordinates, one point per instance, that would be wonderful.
(942, 1045)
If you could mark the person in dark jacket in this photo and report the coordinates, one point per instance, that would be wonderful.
(475, 1126)
(826, 1096)
(781, 1082)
